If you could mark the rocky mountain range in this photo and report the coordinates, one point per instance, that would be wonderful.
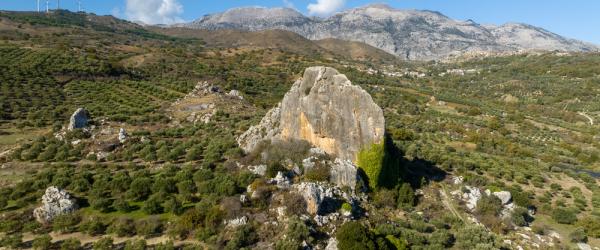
(408, 34)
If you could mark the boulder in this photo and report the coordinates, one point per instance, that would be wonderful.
(471, 197)
(237, 222)
(122, 135)
(504, 196)
(79, 119)
(332, 244)
(314, 195)
(281, 180)
(325, 109)
(343, 173)
(235, 94)
(55, 202)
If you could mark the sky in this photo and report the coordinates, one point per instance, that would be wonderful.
(577, 19)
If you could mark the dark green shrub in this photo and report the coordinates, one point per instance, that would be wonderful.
(70, 244)
(354, 236)
(578, 235)
(42, 242)
(105, 243)
(564, 216)
(406, 196)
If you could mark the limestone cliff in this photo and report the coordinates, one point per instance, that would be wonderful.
(325, 109)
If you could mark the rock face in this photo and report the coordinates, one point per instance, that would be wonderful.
(55, 202)
(343, 173)
(79, 119)
(314, 195)
(325, 109)
(409, 34)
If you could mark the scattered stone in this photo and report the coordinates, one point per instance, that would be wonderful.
(79, 119)
(457, 180)
(237, 222)
(504, 196)
(258, 170)
(55, 202)
(343, 173)
(243, 198)
(323, 220)
(584, 246)
(471, 197)
(332, 244)
(235, 94)
(325, 109)
(122, 135)
(281, 180)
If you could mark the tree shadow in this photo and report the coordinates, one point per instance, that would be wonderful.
(418, 172)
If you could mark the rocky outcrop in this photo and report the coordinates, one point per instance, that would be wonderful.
(55, 202)
(343, 173)
(79, 119)
(325, 109)
(122, 135)
(267, 129)
(314, 195)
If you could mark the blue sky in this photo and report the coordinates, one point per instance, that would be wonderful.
(578, 19)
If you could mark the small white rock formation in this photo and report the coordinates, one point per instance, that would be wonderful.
(583, 246)
(504, 196)
(343, 173)
(471, 197)
(314, 195)
(237, 222)
(79, 119)
(122, 135)
(281, 181)
(332, 244)
(258, 170)
(55, 202)
(235, 94)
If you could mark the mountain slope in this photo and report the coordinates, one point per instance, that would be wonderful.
(283, 40)
(410, 34)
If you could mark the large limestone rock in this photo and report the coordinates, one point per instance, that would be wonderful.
(55, 202)
(325, 109)
(79, 119)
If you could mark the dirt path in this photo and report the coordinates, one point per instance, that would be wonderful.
(448, 203)
(587, 116)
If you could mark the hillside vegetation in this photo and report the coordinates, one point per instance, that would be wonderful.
(527, 124)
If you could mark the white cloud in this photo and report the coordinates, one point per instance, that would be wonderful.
(154, 11)
(289, 4)
(325, 7)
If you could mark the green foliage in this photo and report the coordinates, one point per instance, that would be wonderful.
(578, 235)
(353, 235)
(317, 173)
(244, 236)
(70, 244)
(564, 216)
(42, 242)
(475, 237)
(591, 224)
(406, 196)
(520, 216)
(105, 243)
(380, 166)
(12, 241)
(66, 223)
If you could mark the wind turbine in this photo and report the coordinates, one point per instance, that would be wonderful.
(58, 4)
(47, 6)
(79, 5)
(38, 5)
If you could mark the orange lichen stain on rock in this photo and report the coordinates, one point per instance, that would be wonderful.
(308, 133)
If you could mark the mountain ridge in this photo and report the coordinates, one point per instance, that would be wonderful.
(408, 34)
